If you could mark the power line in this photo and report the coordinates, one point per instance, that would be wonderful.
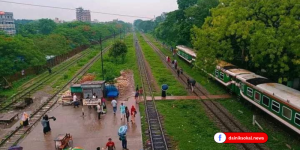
(55, 7)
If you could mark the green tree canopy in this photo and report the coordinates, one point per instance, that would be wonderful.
(253, 34)
(118, 50)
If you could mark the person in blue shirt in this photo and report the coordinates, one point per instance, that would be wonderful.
(122, 110)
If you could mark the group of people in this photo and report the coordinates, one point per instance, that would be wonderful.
(125, 113)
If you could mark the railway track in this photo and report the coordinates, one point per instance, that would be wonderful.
(15, 136)
(227, 122)
(30, 88)
(156, 133)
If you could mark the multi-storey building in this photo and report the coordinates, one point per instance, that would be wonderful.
(7, 23)
(83, 15)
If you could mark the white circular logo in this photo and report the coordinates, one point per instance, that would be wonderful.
(220, 137)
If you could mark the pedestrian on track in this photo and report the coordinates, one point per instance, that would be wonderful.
(188, 83)
(193, 83)
(127, 113)
(114, 104)
(173, 64)
(178, 72)
(122, 110)
(176, 65)
(110, 145)
(181, 70)
(133, 113)
(99, 110)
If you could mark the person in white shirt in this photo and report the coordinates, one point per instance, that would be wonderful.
(114, 104)
(75, 101)
(99, 111)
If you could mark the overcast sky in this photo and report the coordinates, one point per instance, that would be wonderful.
(145, 8)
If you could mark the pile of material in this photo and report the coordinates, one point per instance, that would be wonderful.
(88, 77)
(122, 83)
(65, 97)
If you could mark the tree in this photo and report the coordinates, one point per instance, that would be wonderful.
(183, 4)
(53, 44)
(259, 34)
(119, 49)
(46, 26)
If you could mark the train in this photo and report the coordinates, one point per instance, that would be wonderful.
(279, 101)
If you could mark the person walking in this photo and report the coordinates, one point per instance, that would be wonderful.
(25, 119)
(114, 105)
(99, 111)
(110, 145)
(75, 102)
(136, 96)
(188, 83)
(141, 91)
(124, 141)
(193, 83)
(127, 113)
(137, 87)
(181, 70)
(133, 113)
(122, 110)
(175, 65)
(103, 104)
(178, 72)
(44, 124)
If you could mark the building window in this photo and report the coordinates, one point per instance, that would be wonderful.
(217, 73)
(257, 97)
(286, 112)
(297, 119)
(250, 92)
(222, 75)
(266, 101)
(275, 106)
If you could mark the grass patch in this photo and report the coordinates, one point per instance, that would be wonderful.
(211, 86)
(188, 125)
(144, 123)
(161, 74)
(277, 139)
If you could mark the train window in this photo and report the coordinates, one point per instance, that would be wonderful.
(250, 92)
(275, 106)
(266, 101)
(222, 75)
(287, 113)
(297, 119)
(217, 73)
(257, 97)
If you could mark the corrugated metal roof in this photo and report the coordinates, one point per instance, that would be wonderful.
(244, 77)
(187, 50)
(282, 92)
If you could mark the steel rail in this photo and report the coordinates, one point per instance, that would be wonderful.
(22, 94)
(15, 136)
(156, 133)
(198, 92)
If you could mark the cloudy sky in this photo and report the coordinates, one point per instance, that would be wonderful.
(144, 8)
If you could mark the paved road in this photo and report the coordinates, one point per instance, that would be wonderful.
(87, 132)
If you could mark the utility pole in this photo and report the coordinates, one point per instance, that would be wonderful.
(120, 34)
(101, 57)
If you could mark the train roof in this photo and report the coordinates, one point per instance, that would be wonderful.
(231, 69)
(253, 79)
(187, 50)
(282, 92)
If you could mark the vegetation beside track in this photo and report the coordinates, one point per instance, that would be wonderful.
(189, 117)
(211, 86)
(277, 138)
(161, 74)
(112, 70)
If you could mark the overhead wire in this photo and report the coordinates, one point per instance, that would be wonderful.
(56, 7)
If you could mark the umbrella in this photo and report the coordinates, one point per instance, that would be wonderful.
(16, 148)
(122, 130)
(164, 87)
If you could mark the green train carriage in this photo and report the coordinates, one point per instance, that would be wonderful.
(186, 53)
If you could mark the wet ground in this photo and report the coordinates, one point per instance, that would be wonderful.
(88, 132)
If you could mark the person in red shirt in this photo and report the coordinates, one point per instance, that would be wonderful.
(110, 145)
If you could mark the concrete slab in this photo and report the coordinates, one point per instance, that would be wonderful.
(87, 132)
(190, 97)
